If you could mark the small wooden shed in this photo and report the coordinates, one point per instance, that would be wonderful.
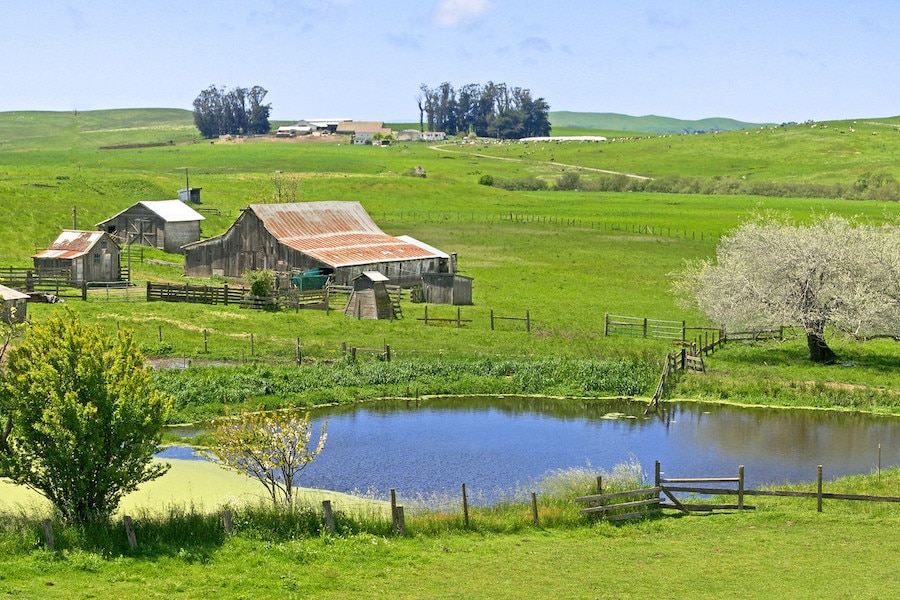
(81, 256)
(14, 305)
(446, 288)
(369, 298)
(164, 224)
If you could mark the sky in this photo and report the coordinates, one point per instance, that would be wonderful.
(760, 61)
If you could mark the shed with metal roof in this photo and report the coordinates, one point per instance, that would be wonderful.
(311, 235)
(164, 224)
(81, 256)
(13, 305)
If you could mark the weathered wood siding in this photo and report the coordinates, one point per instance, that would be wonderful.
(247, 245)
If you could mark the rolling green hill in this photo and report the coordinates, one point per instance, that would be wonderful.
(645, 124)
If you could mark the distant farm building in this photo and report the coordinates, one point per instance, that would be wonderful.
(446, 288)
(298, 128)
(414, 135)
(164, 224)
(364, 132)
(80, 256)
(336, 237)
(14, 305)
(369, 298)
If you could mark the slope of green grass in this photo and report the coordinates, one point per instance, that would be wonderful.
(644, 124)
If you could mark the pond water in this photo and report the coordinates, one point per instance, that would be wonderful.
(493, 444)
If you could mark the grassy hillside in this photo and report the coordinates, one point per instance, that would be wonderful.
(645, 124)
(566, 257)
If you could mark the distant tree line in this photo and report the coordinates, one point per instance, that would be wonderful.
(489, 110)
(240, 111)
(868, 186)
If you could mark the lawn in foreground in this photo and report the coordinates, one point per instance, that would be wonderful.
(749, 555)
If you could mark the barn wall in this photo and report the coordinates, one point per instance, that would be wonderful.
(248, 245)
(177, 235)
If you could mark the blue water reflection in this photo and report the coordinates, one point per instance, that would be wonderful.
(504, 443)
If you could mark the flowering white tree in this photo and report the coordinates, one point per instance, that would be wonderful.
(271, 446)
(831, 273)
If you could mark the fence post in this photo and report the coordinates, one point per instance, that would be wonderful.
(819, 490)
(458, 322)
(465, 506)
(528, 321)
(656, 476)
(48, 534)
(159, 333)
(251, 344)
(741, 487)
(645, 326)
(400, 521)
(205, 339)
(492, 319)
(387, 352)
(225, 289)
(606, 324)
(83, 291)
(599, 485)
(534, 508)
(227, 521)
(149, 286)
(299, 356)
(329, 516)
(129, 531)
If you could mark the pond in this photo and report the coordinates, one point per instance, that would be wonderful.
(500, 444)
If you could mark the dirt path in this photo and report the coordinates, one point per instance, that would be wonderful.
(552, 164)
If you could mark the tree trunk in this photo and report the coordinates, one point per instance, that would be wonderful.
(818, 349)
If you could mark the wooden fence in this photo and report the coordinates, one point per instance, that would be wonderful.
(29, 281)
(650, 499)
(526, 319)
(643, 327)
(195, 294)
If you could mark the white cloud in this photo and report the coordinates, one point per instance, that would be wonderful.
(450, 13)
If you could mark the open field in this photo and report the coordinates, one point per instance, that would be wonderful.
(566, 257)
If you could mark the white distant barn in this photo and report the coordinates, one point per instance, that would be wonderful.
(164, 224)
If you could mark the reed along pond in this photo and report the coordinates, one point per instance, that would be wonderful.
(496, 445)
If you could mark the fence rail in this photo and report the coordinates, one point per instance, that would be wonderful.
(643, 327)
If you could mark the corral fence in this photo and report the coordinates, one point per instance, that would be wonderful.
(649, 501)
(30, 281)
(241, 296)
(643, 327)
(111, 291)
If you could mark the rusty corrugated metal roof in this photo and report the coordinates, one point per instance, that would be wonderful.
(336, 233)
(71, 244)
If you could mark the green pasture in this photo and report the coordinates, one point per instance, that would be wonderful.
(566, 258)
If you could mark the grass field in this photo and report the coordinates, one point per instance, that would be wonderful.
(566, 257)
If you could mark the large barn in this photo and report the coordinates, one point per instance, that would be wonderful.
(164, 224)
(339, 237)
(81, 256)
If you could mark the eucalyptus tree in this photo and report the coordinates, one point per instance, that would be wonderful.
(830, 274)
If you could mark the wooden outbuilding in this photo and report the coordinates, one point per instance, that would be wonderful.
(336, 237)
(81, 256)
(446, 288)
(14, 307)
(370, 298)
(164, 224)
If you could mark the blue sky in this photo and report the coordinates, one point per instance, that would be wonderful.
(760, 61)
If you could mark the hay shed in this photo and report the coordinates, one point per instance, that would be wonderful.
(14, 305)
(446, 288)
(369, 298)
